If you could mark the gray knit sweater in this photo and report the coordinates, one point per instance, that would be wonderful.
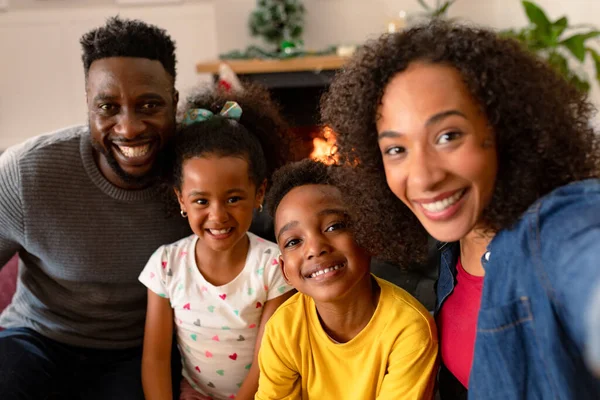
(82, 243)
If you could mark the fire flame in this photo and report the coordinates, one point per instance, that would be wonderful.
(324, 147)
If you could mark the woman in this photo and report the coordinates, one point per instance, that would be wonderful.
(455, 132)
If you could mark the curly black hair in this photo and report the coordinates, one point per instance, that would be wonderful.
(290, 176)
(260, 136)
(128, 38)
(541, 125)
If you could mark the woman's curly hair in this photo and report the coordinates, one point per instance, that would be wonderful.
(541, 125)
(260, 136)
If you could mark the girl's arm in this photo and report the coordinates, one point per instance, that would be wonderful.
(156, 358)
(250, 386)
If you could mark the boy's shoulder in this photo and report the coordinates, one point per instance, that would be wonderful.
(402, 310)
(291, 314)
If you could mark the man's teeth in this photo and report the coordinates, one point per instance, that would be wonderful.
(134, 151)
(326, 270)
(443, 204)
(219, 231)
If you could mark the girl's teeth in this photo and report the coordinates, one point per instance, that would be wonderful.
(219, 231)
(134, 151)
(443, 204)
(326, 270)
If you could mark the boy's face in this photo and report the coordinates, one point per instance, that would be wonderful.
(319, 256)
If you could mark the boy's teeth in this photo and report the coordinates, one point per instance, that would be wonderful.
(134, 151)
(219, 231)
(443, 204)
(326, 270)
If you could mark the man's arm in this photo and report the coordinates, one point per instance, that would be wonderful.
(11, 209)
(278, 377)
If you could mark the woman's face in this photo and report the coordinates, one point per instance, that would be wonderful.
(438, 149)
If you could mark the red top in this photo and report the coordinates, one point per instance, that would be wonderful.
(457, 324)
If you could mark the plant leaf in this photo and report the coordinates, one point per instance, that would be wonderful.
(559, 26)
(537, 16)
(423, 4)
(443, 9)
(576, 43)
(596, 58)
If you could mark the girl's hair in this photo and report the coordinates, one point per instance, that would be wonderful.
(259, 136)
(541, 124)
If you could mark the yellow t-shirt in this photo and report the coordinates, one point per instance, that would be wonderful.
(393, 357)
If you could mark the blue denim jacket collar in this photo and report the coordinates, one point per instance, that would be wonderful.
(523, 346)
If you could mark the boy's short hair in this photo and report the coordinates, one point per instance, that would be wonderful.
(286, 178)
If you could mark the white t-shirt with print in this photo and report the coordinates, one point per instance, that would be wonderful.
(216, 326)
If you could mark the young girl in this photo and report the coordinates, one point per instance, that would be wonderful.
(459, 133)
(221, 284)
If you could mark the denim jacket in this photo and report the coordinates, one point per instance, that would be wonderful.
(538, 329)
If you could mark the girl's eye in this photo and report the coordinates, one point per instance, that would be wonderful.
(336, 226)
(234, 199)
(202, 202)
(291, 242)
(395, 150)
(448, 137)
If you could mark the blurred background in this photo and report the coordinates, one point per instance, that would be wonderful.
(41, 76)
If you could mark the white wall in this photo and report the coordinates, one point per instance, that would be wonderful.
(41, 78)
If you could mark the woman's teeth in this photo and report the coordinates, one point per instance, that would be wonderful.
(134, 151)
(220, 231)
(441, 205)
(326, 270)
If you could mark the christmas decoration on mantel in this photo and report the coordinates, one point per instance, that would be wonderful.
(280, 23)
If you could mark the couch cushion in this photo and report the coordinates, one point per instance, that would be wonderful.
(8, 282)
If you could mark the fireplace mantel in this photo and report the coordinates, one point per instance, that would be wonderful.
(258, 66)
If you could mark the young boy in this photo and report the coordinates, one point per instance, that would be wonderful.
(347, 334)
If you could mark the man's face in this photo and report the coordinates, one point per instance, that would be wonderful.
(131, 112)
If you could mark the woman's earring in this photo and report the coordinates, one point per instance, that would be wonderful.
(183, 214)
(260, 208)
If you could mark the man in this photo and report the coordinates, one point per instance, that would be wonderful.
(81, 208)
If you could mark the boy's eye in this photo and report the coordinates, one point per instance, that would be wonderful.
(448, 137)
(336, 226)
(291, 242)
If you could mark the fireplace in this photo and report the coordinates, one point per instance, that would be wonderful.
(297, 86)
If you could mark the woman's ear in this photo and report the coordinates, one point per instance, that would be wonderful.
(260, 194)
(282, 266)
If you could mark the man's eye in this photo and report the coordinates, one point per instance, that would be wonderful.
(448, 137)
(395, 150)
(291, 242)
(150, 106)
(107, 107)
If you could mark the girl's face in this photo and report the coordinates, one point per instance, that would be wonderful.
(438, 149)
(219, 198)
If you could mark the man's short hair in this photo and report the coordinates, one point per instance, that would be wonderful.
(128, 38)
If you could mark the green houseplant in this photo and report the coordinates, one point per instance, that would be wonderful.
(556, 41)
